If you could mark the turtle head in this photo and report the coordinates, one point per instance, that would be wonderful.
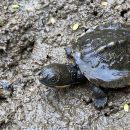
(50, 75)
(58, 75)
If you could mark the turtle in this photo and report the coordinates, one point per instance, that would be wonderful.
(101, 56)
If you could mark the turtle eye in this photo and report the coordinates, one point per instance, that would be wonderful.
(53, 79)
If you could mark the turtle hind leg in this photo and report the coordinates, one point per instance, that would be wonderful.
(100, 103)
(100, 97)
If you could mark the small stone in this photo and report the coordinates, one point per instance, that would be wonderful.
(5, 7)
(120, 1)
(27, 100)
(111, 3)
(110, 104)
(3, 48)
(30, 9)
(52, 20)
(104, 3)
(1, 22)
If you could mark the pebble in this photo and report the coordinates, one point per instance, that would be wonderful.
(6, 89)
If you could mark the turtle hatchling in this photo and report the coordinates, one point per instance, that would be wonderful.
(101, 56)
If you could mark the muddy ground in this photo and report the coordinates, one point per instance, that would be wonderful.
(29, 40)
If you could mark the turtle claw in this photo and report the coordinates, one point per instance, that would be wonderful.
(68, 52)
(100, 103)
(99, 97)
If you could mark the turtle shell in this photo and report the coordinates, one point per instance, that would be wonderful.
(103, 55)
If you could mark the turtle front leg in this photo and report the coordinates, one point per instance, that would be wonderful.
(68, 52)
(99, 97)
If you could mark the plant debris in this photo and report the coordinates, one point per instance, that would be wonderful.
(75, 26)
(126, 107)
(16, 6)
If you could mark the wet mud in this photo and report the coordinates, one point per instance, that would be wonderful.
(29, 40)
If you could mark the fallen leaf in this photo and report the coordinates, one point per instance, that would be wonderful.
(16, 6)
(126, 107)
(30, 9)
(75, 26)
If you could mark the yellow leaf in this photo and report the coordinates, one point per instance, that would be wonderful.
(75, 26)
(126, 107)
(16, 6)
